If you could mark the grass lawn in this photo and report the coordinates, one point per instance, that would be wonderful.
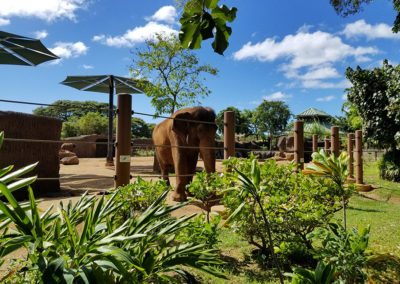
(379, 208)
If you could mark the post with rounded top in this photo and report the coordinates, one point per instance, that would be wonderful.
(326, 144)
(350, 141)
(315, 143)
(335, 144)
(229, 134)
(358, 158)
(299, 144)
(123, 143)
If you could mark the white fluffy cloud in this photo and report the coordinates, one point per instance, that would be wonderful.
(362, 29)
(277, 96)
(130, 38)
(319, 84)
(325, 99)
(303, 49)
(66, 50)
(41, 34)
(47, 10)
(86, 66)
(4, 22)
(166, 14)
(135, 35)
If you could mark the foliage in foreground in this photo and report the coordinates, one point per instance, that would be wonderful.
(389, 166)
(141, 249)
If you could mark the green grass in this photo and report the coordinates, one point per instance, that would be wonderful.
(379, 208)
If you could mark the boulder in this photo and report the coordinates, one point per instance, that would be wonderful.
(70, 160)
(65, 153)
(280, 155)
(68, 147)
(290, 143)
(282, 144)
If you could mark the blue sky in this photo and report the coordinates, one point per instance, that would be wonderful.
(290, 50)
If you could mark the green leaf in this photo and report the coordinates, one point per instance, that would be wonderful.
(211, 4)
(224, 13)
(18, 173)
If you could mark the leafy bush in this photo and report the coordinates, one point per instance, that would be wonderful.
(138, 196)
(204, 189)
(295, 204)
(389, 166)
(200, 231)
(323, 274)
(140, 250)
(346, 251)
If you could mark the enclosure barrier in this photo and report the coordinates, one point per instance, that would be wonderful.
(123, 144)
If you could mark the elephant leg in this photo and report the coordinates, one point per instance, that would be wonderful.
(182, 172)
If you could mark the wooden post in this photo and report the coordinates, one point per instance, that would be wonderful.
(326, 145)
(123, 143)
(229, 134)
(315, 143)
(350, 139)
(299, 144)
(358, 158)
(335, 144)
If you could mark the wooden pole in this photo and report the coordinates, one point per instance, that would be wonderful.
(110, 160)
(350, 139)
(326, 145)
(359, 158)
(299, 144)
(229, 134)
(123, 143)
(335, 144)
(315, 143)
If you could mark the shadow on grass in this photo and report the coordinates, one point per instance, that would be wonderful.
(365, 209)
(384, 268)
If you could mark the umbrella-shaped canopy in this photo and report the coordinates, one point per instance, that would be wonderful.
(20, 50)
(105, 84)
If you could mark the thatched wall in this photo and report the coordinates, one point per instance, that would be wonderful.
(19, 154)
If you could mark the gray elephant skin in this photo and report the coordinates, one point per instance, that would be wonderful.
(199, 138)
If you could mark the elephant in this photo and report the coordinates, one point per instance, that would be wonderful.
(199, 138)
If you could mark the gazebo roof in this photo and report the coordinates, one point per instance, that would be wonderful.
(313, 112)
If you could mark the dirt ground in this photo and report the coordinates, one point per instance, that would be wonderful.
(93, 176)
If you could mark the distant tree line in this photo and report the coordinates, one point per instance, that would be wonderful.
(88, 117)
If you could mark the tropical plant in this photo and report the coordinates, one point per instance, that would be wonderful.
(346, 251)
(138, 196)
(323, 274)
(334, 168)
(205, 189)
(389, 166)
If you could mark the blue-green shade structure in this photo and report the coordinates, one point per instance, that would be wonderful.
(20, 50)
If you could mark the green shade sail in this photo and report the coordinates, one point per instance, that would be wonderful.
(20, 50)
(101, 84)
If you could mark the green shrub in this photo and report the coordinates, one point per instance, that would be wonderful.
(346, 251)
(295, 204)
(137, 196)
(389, 166)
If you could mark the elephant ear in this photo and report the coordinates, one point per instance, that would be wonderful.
(180, 125)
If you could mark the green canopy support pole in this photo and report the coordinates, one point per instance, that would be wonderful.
(110, 160)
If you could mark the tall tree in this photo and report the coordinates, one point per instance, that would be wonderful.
(140, 128)
(175, 74)
(241, 123)
(64, 109)
(272, 117)
(376, 95)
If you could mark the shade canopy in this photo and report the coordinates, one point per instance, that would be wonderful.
(20, 50)
(101, 84)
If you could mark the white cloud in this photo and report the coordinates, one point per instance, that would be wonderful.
(166, 14)
(41, 34)
(303, 49)
(66, 50)
(47, 10)
(319, 84)
(86, 66)
(4, 22)
(277, 96)
(315, 73)
(325, 99)
(136, 35)
(362, 29)
(344, 97)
